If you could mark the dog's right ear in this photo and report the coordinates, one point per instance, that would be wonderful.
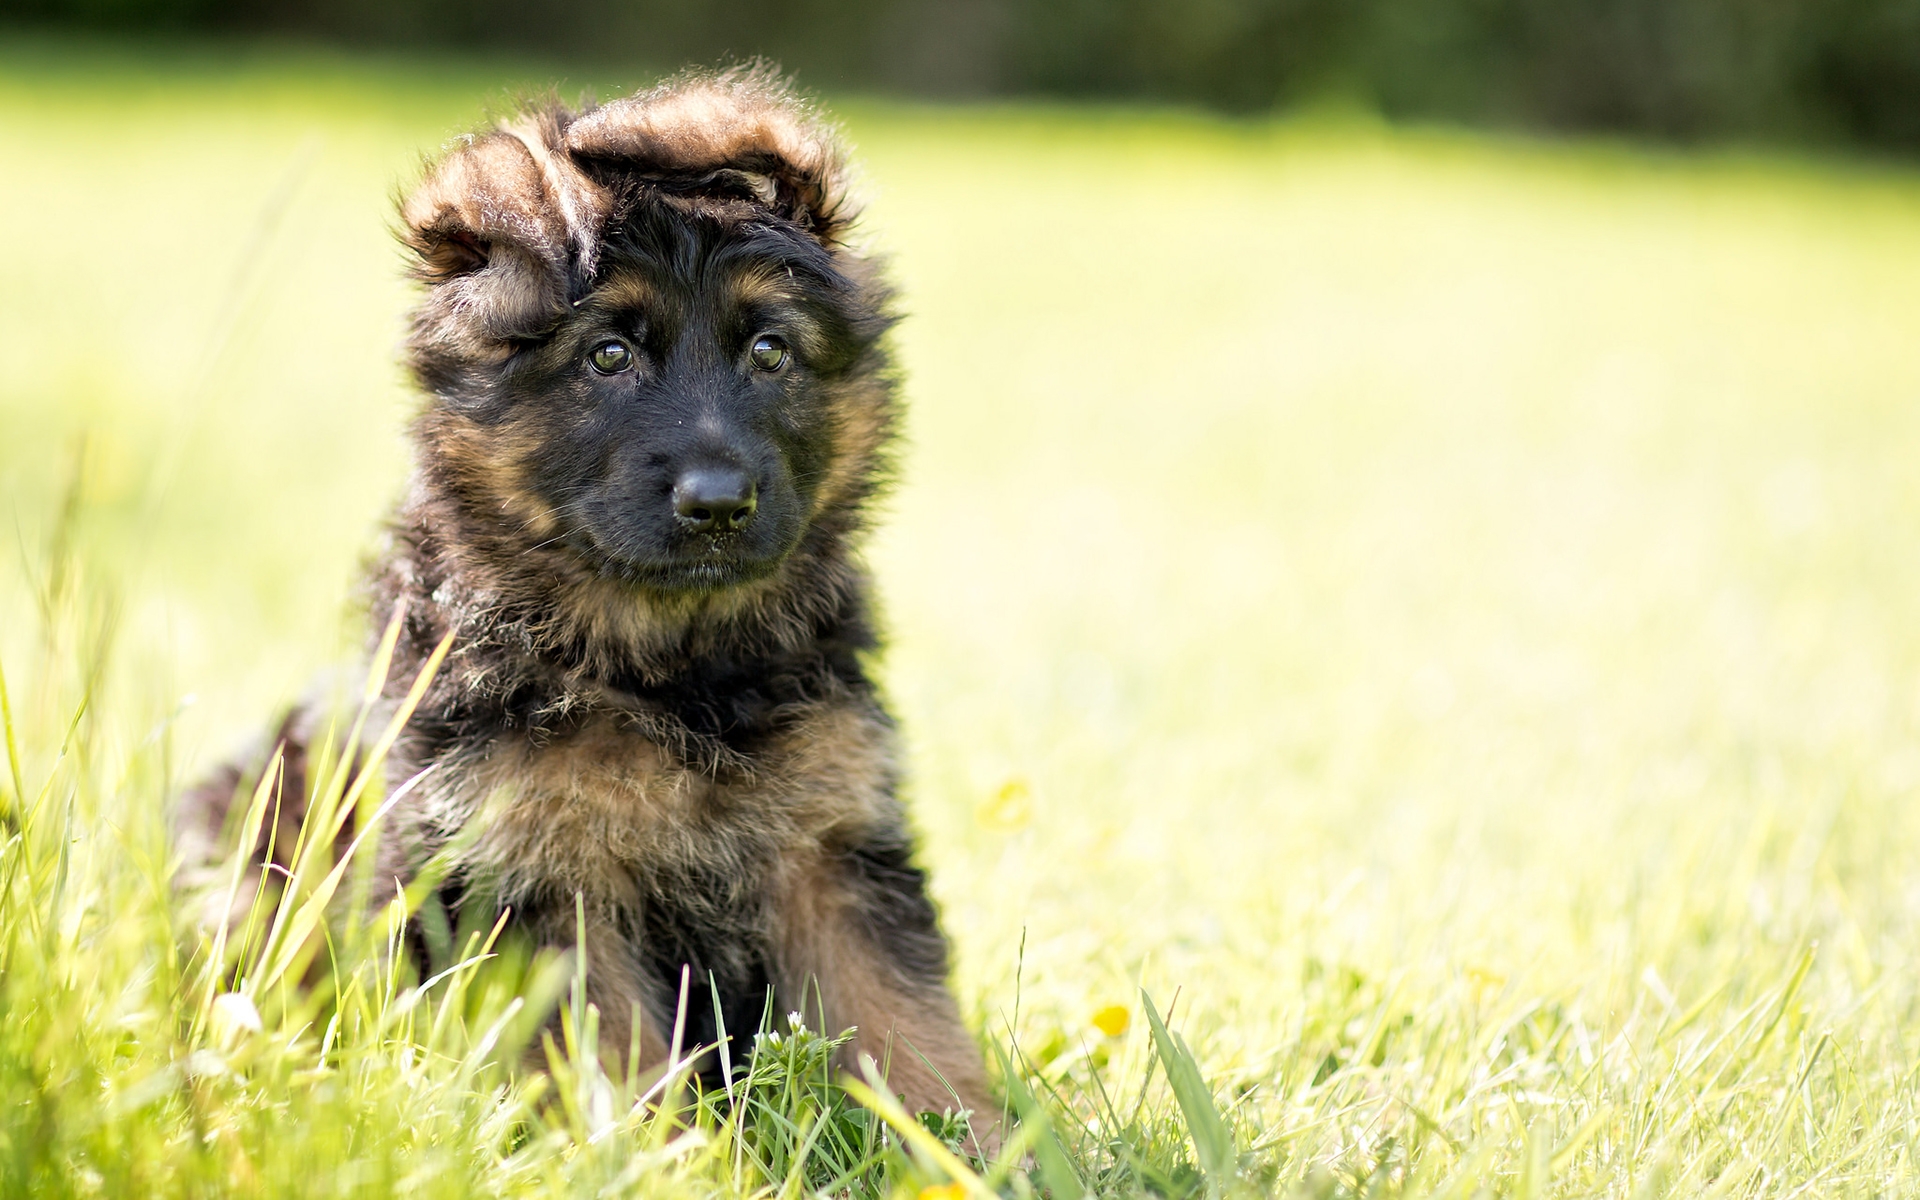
(501, 229)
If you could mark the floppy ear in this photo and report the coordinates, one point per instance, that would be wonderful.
(741, 134)
(503, 227)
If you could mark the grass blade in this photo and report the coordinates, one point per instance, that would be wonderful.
(1049, 1156)
(1212, 1140)
(875, 1096)
(13, 750)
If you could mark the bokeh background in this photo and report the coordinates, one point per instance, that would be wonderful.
(1407, 533)
(1846, 70)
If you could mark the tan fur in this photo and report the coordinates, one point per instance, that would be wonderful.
(862, 431)
(590, 813)
(912, 1032)
(495, 463)
(601, 806)
(624, 291)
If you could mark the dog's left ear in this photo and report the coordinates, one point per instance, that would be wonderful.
(742, 133)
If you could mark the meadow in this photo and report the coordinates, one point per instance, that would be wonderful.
(1441, 613)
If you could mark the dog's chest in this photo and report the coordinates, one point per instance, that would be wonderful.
(594, 810)
(605, 811)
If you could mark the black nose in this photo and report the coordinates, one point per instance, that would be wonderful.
(714, 499)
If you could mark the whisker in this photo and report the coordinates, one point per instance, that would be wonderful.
(558, 537)
(560, 510)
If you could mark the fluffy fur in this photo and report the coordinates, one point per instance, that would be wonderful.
(669, 722)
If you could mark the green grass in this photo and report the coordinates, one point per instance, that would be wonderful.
(1441, 613)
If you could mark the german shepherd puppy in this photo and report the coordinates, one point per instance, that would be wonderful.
(658, 398)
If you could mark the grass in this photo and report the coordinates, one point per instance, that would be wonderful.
(1440, 613)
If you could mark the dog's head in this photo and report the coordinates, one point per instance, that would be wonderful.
(652, 358)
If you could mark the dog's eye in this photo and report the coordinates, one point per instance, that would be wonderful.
(611, 358)
(769, 353)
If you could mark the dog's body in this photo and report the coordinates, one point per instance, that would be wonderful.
(658, 400)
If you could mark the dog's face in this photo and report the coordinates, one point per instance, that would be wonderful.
(675, 428)
(663, 376)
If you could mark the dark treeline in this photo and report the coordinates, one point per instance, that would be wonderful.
(1822, 70)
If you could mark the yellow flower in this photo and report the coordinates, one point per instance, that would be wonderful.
(944, 1191)
(1113, 1020)
(1008, 809)
(1484, 983)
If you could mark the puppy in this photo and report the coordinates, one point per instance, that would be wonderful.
(658, 400)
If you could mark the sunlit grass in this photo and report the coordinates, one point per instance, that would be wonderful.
(1446, 610)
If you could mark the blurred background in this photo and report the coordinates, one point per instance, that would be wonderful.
(1832, 70)
(1407, 524)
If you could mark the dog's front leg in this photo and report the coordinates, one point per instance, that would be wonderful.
(617, 985)
(862, 949)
